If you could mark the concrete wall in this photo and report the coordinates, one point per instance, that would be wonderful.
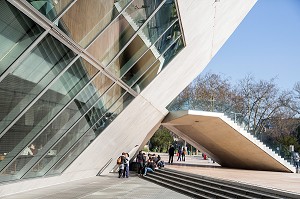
(204, 37)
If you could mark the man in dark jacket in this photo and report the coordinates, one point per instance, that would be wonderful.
(141, 162)
(171, 154)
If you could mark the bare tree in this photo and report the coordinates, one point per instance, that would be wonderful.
(266, 111)
(262, 101)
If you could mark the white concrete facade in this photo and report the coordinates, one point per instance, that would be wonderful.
(207, 25)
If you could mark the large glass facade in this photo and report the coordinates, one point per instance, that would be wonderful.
(55, 102)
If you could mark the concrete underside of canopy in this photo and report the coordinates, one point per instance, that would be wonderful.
(220, 141)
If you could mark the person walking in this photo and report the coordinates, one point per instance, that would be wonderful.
(179, 154)
(171, 154)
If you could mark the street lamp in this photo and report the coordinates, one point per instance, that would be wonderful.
(212, 100)
(235, 114)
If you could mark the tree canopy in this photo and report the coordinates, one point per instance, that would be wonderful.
(260, 106)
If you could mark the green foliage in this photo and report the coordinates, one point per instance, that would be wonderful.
(288, 140)
(161, 140)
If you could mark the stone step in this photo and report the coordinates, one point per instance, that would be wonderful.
(210, 187)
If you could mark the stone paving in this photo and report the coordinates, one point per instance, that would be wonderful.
(134, 187)
(102, 187)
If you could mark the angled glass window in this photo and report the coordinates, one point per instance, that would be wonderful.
(86, 19)
(77, 148)
(17, 32)
(146, 61)
(115, 37)
(50, 8)
(40, 116)
(156, 68)
(19, 88)
(145, 40)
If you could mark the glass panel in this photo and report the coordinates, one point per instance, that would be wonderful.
(21, 86)
(114, 38)
(88, 137)
(147, 77)
(150, 57)
(17, 32)
(66, 120)
(145, 39)
(87, 18)
(92, 116)
(172, 52)
(160, 22)
(50, 8)
(41, 113)
(158, 66)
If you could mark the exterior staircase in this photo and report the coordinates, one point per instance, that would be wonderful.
(197, 186)
(225, 141)
(257, 142)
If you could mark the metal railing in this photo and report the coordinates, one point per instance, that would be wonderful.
(238, 118)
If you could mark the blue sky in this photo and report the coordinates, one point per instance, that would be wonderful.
(266, 45)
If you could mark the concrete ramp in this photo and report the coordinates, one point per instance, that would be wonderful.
(224, 141)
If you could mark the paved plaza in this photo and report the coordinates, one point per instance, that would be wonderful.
(111, 187)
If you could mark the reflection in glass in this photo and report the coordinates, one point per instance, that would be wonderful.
(20, 87)
(156, 68)
(17, 32)
(150, 57)
(41, 113)
(50, 8)
(172, 52)
(115, 37)
(90, 135)
(142, 42)
(86, 19)
(95, 114)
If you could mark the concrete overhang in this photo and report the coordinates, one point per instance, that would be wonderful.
(224, 141)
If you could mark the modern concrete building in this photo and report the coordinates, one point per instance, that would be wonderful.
(83, 80)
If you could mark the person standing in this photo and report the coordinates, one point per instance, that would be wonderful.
(121, 163)
(171, 154)
(183, 154)
(126, 165)
(141, 162)
(296, 161)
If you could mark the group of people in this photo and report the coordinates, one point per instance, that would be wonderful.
(145, 165)
(181, 154)
(123, 162)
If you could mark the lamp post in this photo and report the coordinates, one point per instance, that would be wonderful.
(235, 114)
(212, 100)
